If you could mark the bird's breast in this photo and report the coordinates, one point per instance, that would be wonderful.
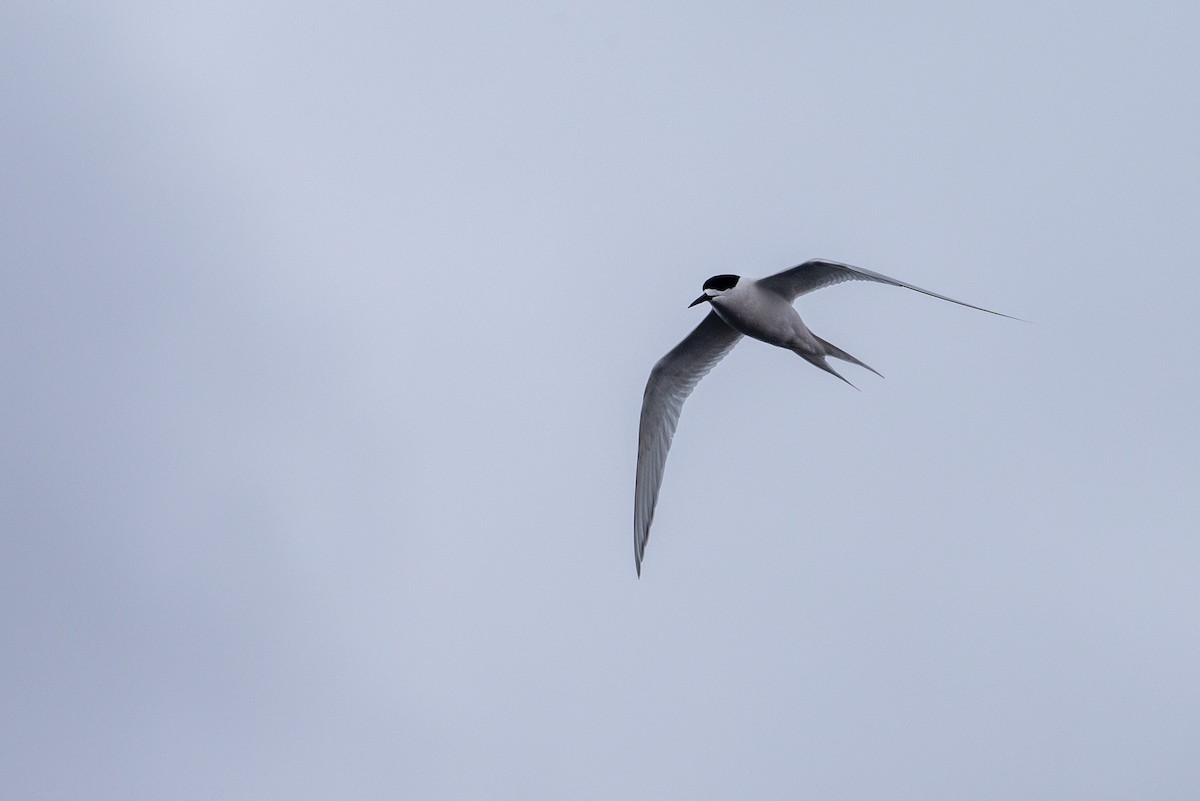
(763, 317)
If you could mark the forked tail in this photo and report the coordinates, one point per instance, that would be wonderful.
(838, 353)
(819, 359)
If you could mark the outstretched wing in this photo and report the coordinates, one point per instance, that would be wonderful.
(670, 383)
(818, 273)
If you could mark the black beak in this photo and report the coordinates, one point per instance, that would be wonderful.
(700, 299)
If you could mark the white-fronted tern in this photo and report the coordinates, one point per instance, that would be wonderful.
(760, 309)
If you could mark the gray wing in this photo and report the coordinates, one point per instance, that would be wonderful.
(818, 274)
(670, 383)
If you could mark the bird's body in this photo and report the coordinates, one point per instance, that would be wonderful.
(763, 315)
(761, 309)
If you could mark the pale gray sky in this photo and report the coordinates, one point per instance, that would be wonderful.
(324, 333)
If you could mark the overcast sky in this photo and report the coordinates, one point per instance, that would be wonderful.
(323, 333)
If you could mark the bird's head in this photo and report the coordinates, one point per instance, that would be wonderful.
(715, 287)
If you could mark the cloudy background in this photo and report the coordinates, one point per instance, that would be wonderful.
(323, 333)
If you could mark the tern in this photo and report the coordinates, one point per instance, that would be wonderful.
(761, 309)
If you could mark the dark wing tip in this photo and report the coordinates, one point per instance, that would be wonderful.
(998, 314)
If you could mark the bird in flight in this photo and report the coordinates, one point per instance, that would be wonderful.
(761, 309)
